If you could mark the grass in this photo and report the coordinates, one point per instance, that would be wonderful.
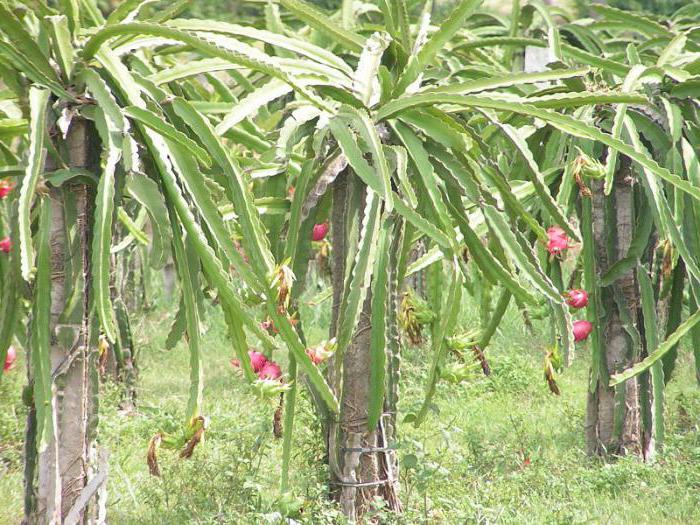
(500, 449)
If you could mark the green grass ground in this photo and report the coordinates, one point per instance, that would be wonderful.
(501, 450)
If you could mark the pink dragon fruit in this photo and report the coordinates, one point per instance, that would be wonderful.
(10, 358)
(577, 298)
(558, 240)
(582, 329)
(5, 188)
(257, 360)
(320, 231)
(271, 370)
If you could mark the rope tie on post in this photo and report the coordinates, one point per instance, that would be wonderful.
(370, 450)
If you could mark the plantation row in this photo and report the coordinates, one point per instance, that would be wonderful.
(529, 159)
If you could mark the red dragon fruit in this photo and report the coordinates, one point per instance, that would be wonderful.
(556, 231)
(577, 298)
(558, 240)
(257, 360)
(10, 358)
(5, 245)
(271, 370)
(582, 329)
(5, 188)
(320, 231)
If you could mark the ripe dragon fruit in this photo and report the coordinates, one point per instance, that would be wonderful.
(5, 245)
(10, 358)
(5, 188)
(577, 298)
(271, 370)
(555, 231)
(257, 360)
(582, 329)
(558, 240)
(320, 231)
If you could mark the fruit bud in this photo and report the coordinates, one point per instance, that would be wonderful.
(549, 375)
(321, 352)
(555, 357)
(588, 167)
(457, 372)
(269, 326)
(414, 313)
(463, 341)
(282, 279)
(269, 389)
